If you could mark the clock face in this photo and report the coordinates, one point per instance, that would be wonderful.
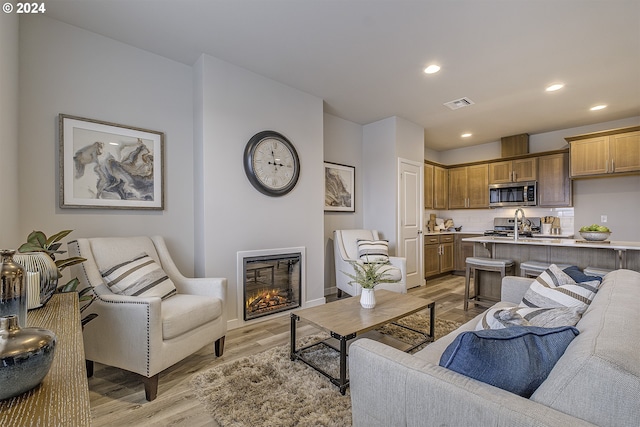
(271, 163)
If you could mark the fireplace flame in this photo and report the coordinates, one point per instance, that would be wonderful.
(267, 299)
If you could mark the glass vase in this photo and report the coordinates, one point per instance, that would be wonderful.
(13, 288)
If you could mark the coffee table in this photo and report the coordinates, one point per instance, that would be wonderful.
(345, 319)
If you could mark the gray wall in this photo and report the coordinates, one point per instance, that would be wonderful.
(236, 104)
(10, 234)
(64, 69)
(343, 145)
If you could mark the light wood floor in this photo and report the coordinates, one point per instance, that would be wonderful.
(117, 396)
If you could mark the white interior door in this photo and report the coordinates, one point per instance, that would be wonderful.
(410, 216)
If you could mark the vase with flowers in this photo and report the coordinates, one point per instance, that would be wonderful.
(369, 274)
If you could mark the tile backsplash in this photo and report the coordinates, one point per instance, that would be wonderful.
(482, 219)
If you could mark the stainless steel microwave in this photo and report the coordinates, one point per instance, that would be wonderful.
(513, 194)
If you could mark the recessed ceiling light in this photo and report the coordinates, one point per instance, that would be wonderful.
(554, 87)
(598, 107)
(466, 135)
(431, 69)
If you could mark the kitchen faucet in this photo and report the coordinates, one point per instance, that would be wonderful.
(515, 223)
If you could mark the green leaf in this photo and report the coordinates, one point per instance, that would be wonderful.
(63, 263)
(57, 237)
(30, 247)
(85, 291)
(37, 238)
(54, 248)
(70, 286)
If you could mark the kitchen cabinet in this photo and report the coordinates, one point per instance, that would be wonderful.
(440, 188)
(438, 254)
(436, 183)
(462, 250)
(554, 183)
(468, 187)
(513, 170)
(604, 153)
(428, 186)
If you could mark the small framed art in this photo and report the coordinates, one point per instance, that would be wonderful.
(339, 187)
(107, 165)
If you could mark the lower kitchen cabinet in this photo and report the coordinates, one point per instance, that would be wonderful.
(462, 251)
(438, 254)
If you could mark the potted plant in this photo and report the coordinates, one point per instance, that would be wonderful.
(369, 274)
(37, 241)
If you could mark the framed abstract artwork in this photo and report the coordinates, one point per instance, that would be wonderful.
(107, 165)
(339, 187)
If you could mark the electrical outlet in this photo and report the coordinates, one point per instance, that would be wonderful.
(603, 218)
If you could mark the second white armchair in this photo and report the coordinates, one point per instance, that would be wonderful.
(345, 247)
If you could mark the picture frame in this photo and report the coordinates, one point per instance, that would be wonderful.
(106, 165)
(339, 187)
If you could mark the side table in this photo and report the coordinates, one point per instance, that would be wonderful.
(62, 399)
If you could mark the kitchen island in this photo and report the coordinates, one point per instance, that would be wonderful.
(609, 255)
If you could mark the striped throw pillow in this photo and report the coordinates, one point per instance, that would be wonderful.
(373, 250)
(499, 318)
(554, 288)
(140, 277)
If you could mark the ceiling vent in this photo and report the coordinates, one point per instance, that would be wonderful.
(459, 103)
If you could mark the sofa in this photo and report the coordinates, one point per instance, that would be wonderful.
(596, 381)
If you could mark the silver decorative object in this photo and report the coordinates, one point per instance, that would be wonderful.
(25, 356)
(13, 288)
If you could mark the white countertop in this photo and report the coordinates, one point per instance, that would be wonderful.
(617, 245)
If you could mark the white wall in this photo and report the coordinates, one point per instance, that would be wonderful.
(64, 69)
(236, 104)
(383, 143)
(343, 145)
(616, 197)
(10, 237)
(380, 177)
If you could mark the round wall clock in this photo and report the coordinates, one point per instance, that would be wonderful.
(271, 163)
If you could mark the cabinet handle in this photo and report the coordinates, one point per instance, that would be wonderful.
(613, 166)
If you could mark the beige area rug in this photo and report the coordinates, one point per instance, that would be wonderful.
(269, 390)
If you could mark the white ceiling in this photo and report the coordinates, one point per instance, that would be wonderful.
(365, 58)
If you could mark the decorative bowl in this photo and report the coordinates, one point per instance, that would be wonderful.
(595, 236)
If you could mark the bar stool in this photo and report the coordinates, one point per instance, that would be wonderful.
(475, 264)
(535, 268)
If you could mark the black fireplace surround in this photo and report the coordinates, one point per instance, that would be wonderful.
(272, 283)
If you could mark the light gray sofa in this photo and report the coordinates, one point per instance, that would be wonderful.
(595, 382)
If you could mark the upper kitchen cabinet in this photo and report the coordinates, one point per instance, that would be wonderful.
(513, 170)
(554, 184)
(468, 187)
(609, 152)
(428, 186)
(436, 187)
(440, 188)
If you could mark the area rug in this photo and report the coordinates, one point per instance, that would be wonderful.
(268, 389)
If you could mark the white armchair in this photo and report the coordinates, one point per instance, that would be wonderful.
(146, 334)
(345, 248)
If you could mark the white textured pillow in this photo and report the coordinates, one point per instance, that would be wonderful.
(499, 318)
(373, 250)
(140, 277)
(554, 288)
